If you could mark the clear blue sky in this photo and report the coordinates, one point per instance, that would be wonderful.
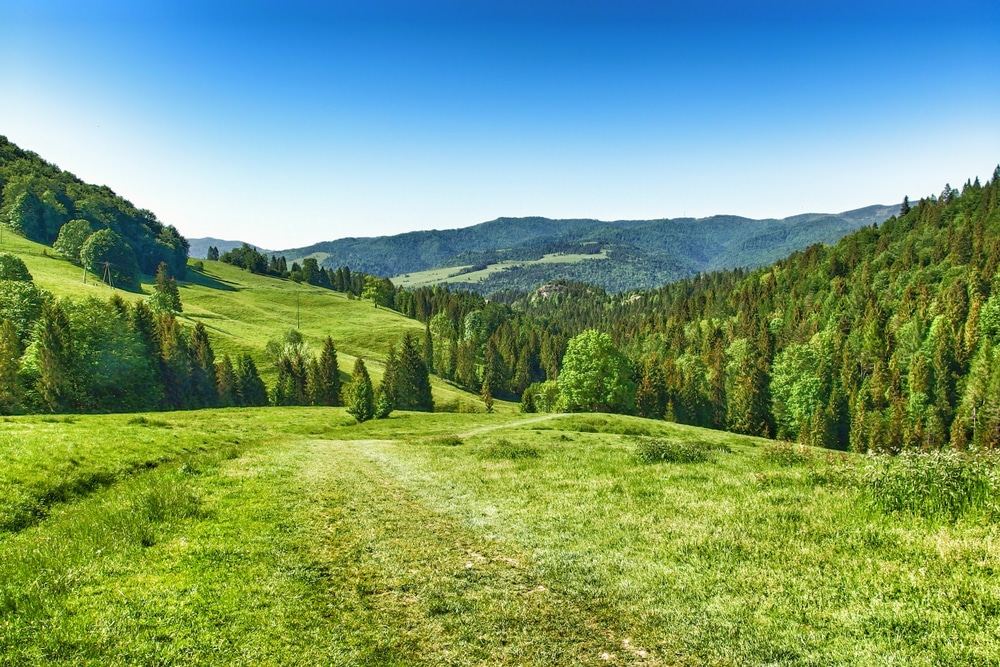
(287, 123)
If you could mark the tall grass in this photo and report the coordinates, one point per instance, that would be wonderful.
(673, 450)
(942, 485)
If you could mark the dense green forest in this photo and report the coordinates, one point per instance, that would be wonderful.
(638, 253)
(86, 223)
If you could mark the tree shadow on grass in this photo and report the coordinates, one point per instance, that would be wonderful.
(195, 277)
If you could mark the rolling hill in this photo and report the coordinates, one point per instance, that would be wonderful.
(243, 311)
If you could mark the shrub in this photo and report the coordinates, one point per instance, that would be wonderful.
(786, 453)
(668, 450)
(940, 485)
(443, 440)
(504, 449)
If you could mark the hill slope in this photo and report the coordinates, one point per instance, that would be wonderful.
(620, 255)
(243, 311)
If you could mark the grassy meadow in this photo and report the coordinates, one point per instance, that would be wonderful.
(452, 274)
(293, 536)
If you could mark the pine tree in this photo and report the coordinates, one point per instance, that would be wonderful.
(250, 389)
(493, 374)
(528, 401)
(486, 394)
(166, 298)
(428, 349)
(11, 392)
(390, 377)
(226, 382)
(411, 382)
(54, 356)
(324, 379)
(361, 403)
(175, 364)
(383, 404)
(204, 387)
(651, 394)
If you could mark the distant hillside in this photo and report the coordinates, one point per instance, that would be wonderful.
(199, 247)
(520, 253)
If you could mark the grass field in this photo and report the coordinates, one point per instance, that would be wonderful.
(242, 311)
(293, 536)
(447, 275)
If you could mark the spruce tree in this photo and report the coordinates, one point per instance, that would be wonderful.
(53, 343)
(412, 382)
(11, 393)
(486, 394)
(428, 349)
(383, 404)
(204, 387)
(166, 297)
(250, 389)
(324, 378)
(225, 380)
(362, 401)
(528, 401)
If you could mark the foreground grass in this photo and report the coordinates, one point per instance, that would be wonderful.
(295, 537)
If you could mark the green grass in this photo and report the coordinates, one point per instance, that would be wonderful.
(292, 536)
(451, 274)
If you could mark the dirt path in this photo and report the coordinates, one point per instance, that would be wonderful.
(497, 427)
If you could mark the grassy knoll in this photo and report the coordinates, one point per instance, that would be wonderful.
(242, 311)
(293, 536)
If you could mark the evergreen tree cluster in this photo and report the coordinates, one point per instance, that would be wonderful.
(341, 279)
(60, 355)
(304, 379)
(86, 223)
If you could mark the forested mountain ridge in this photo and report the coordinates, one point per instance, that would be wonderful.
(636, 254)
(46, 204)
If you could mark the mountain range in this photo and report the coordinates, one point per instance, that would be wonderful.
(622, 255)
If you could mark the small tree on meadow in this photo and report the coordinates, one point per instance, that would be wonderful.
(166, 298)
(362, 400)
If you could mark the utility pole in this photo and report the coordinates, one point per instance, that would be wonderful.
(298, 320)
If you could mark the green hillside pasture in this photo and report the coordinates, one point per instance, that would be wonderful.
(293, 538)
(450, 274)
(242, 311)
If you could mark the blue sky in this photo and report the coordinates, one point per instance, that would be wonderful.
(287, 123)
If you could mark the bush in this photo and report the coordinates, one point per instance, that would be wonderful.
(940, 485)
(786, 453)
(504, 449)
(444, 440)
(668, 450)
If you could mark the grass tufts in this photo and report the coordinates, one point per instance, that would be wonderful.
(786, 454)
(445, 441)
(670, 450)
(942, 485)
(504, 449)
(145, 421)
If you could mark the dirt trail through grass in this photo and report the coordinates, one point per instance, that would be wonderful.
(435, 591)
(497, 427)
